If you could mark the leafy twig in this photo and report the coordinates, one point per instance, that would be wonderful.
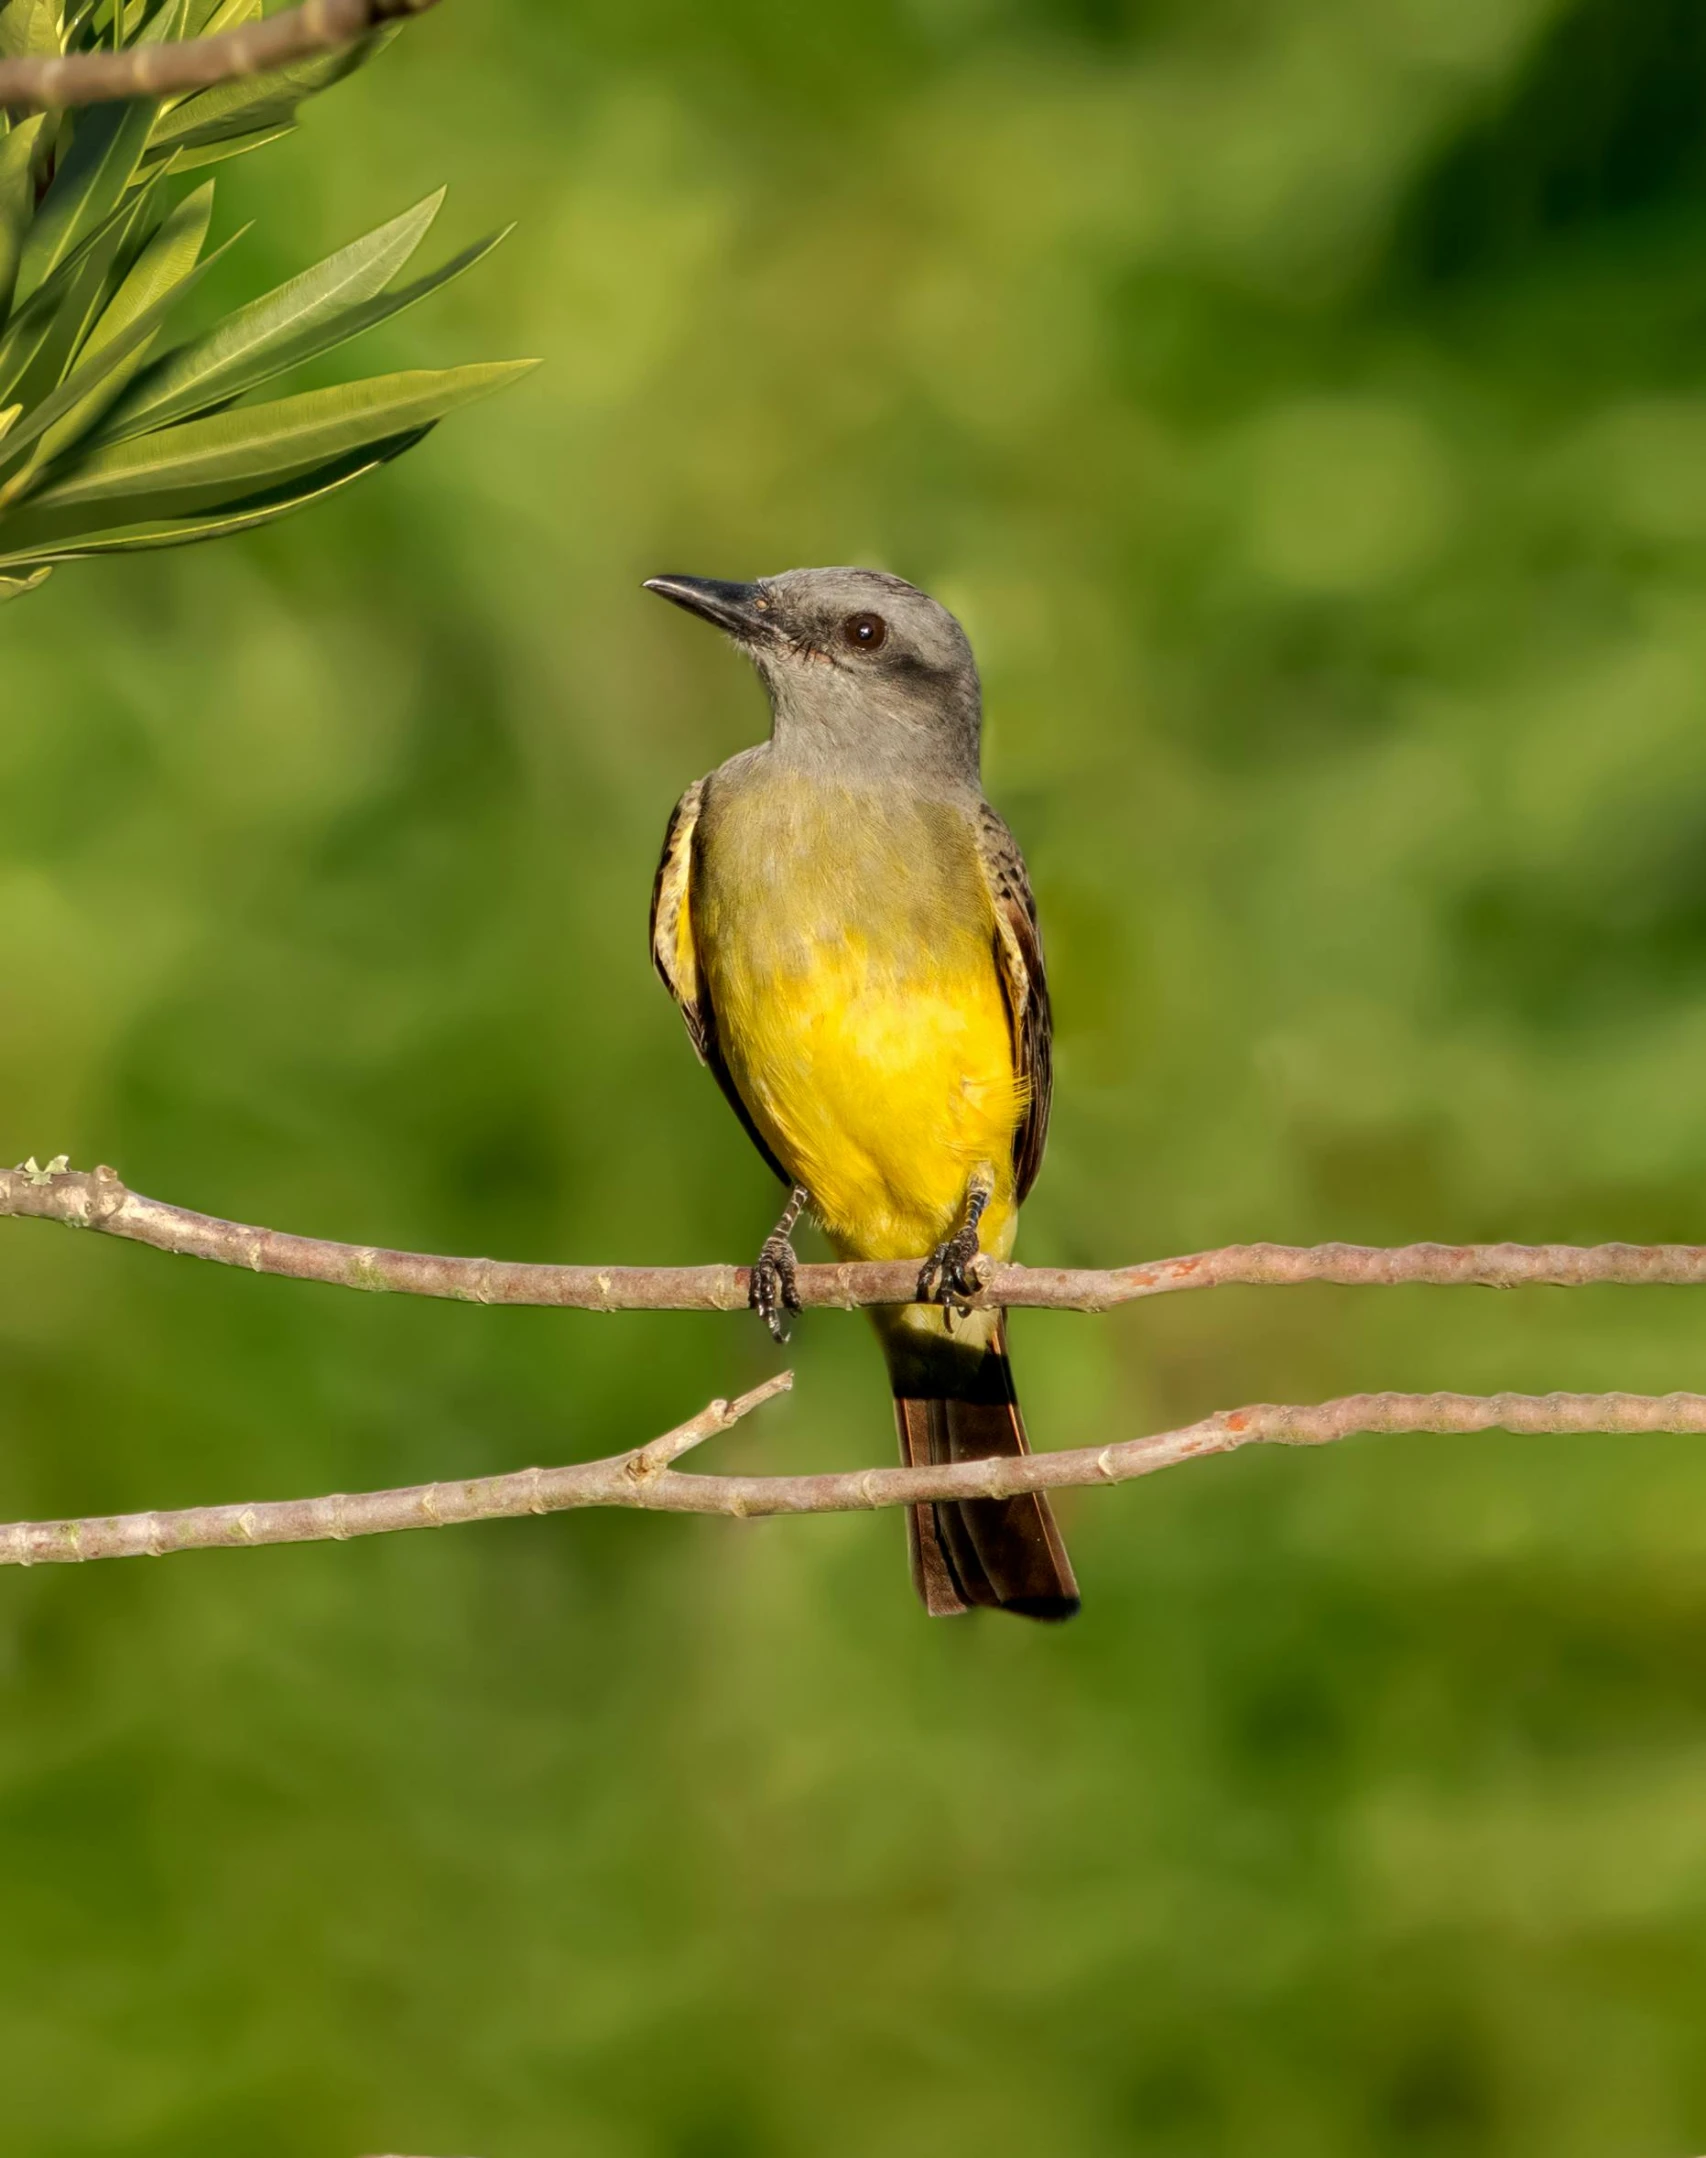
(50, 83)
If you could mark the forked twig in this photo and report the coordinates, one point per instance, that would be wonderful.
(644, 1478)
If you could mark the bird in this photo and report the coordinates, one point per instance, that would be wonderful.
(849, 930)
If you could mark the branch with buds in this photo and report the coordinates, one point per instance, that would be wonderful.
(646, 1477)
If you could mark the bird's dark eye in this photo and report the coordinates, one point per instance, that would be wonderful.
(863, 632)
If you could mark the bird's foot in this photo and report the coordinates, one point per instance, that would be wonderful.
(774, 1289)
(950, 1275)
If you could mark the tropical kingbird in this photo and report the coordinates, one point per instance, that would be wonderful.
(849, 931)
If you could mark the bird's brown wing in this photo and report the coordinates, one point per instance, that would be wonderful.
(1024, 984)
(676, 957)
(674, 953)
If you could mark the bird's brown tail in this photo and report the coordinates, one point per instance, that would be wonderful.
(954, 1401)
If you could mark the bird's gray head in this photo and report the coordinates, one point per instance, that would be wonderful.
(862, 668)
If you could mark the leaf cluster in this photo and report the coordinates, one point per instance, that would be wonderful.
(115, 439)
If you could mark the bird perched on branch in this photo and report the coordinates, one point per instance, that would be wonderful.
(848, 929)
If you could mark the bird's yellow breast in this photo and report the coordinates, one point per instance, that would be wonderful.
(847, 941)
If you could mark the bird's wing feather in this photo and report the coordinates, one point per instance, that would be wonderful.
(676, 957)
(1024, 983)
(673, 951)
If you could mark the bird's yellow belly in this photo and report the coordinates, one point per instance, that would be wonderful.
(881, 1088)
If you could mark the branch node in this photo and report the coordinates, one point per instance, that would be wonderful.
(648, 1462)
(107, 1194)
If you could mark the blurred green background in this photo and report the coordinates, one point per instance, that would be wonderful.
(1303, 405)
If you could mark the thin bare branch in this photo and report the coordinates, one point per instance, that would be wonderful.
(616, 1482)
(174, 69)
(643, 1478)
(99, 1200)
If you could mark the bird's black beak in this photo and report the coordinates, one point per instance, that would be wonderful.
(741, 609)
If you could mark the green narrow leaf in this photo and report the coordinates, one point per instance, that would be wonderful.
(272, 442)
(17, 200)
(109, 24)
(164, 27)
(162, 265)
(92, 291)
(30, 29)
(206, 18)
(49, 295)
(118, 344)
(293, 351)
(237, 353)
(256, 101)
(66, 402)
(215, 153)
(65, 538)
(44, 333)
(89, 185)
(43, 340)
(16, 587)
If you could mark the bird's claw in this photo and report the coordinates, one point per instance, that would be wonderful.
(951, 1276)
(775, 1289)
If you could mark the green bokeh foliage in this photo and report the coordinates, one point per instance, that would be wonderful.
(1302, 402)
